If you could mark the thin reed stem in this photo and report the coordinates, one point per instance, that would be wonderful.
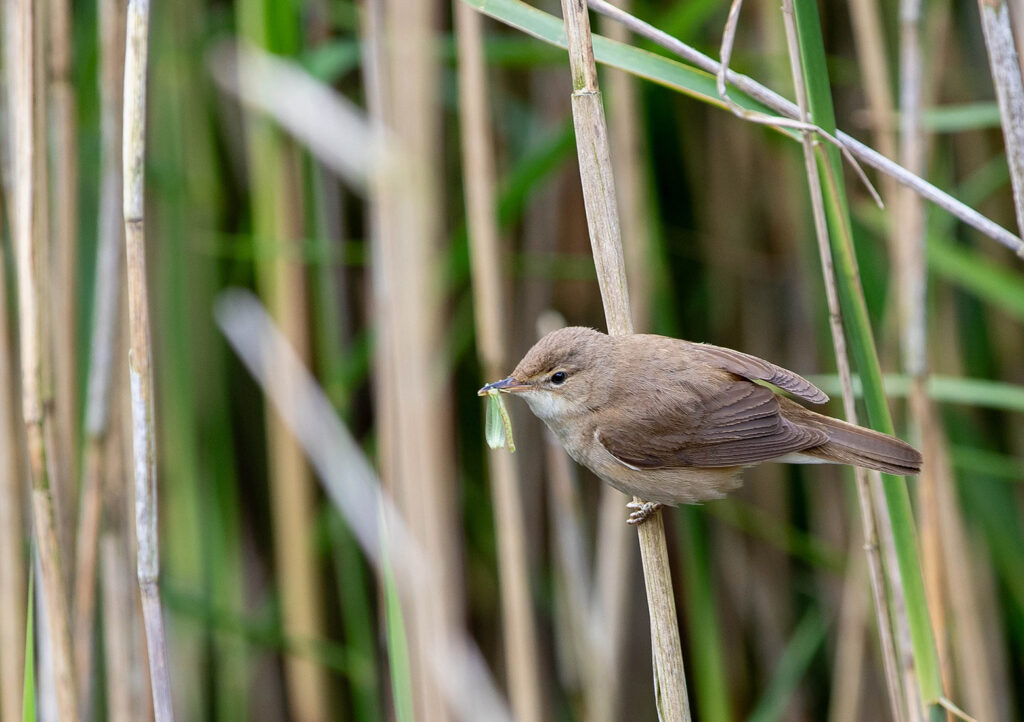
(889, 659)
(64, 240)
(490, 316)
(412, 406)
(106, 317)
(895, 517)
(13, 561)
(603, 223)
(613, 550)
(30, 241)
(140, 353)
(278, 224)
(1006, 76)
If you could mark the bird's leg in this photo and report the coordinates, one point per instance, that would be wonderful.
(642, 511)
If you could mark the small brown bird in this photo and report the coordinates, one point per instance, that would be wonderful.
(675, 422)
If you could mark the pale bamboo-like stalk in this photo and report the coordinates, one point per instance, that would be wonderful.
(107, 315)
(277, 215)
(776, 102)
(520, 634)
(64, 214)
(28, 212)
(603, 222)
(848, 668)
(119, 599)
(613, 551)
(948, 574)
(889, 659)
(911, 291)
(414, 414)
(140, 352)
(13, 561)
(1006, 76)
(869, 40)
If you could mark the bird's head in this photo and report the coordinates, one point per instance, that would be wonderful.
(561, 375)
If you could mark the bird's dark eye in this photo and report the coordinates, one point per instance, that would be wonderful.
(558, 378)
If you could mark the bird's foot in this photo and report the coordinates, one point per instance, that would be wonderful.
(642, 511)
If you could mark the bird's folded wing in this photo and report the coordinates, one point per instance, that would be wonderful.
(740, 424)
(752, 367)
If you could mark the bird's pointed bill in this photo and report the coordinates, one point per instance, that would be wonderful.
(507, 385)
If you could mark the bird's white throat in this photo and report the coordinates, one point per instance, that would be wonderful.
(546, 405)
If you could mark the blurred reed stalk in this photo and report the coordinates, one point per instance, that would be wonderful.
(64, 240)
(950, 577)
(613, 552)
(911, 292)
(911, 288)
(896, 521)
(107, 316)
(603, 222)
(277, 223)
(140, 358)
(13, 561)
(119, 598)
(1006, 76)
(29, 209)
(492, 331)
(890, 661)
(412, 403)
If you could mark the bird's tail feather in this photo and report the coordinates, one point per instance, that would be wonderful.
(855, 445)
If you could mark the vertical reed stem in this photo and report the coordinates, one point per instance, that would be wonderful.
(64, 212)
(13, 561)
(30, 243)
(414, 416)
(613, 551)
(1006, 76)
(140, 352)
(107, 313)
(603, 222)
(491, 334)
(889, 659)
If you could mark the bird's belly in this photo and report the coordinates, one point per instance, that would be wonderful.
(665, 486)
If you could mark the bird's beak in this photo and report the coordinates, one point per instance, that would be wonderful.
(509, 385)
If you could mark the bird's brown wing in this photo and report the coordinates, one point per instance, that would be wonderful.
(732, 422)
(752, 367)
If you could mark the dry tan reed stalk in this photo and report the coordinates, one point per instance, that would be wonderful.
(140, 352)
(603, 223)
(282, 281)
(848, 668)
(869, 40)
(613, 549)
(911, 288)
(1006, 76)
(492, 330)
(28, 209)
(64, 212)
(107, 316)
(864, 493)
(119, 596)
(911, 291)
(415, 429)
(13, 561)
(277, 222)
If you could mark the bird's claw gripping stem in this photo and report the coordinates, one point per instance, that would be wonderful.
(642, 511)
